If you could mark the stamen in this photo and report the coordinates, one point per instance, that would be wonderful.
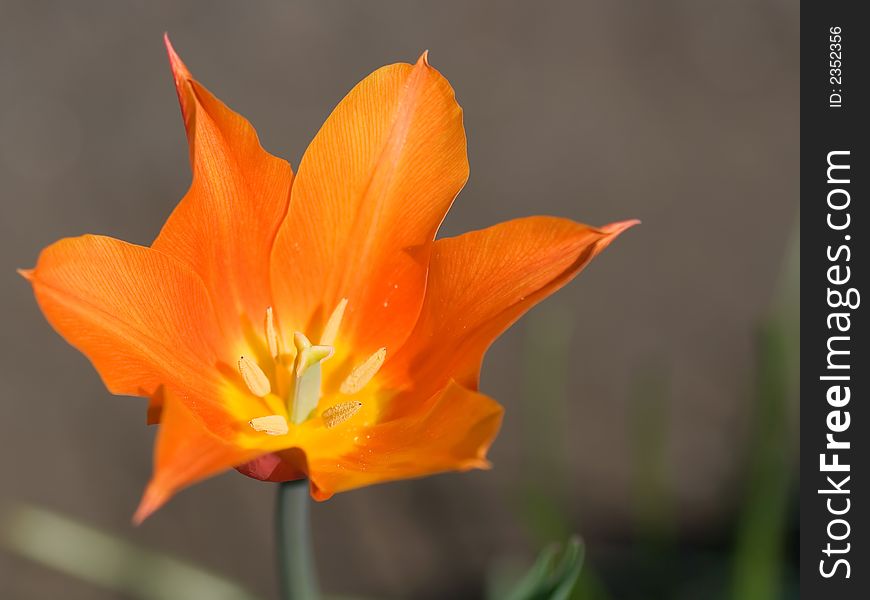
(271, 333)
(330, 331)
(339, 413)
(271, 425)
(254, 377)
(362, 374)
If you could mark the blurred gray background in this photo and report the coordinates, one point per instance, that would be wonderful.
(682, 113)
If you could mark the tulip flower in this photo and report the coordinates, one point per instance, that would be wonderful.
(312, 327)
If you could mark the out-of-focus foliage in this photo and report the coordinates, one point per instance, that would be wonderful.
(759, 564)
(553, 577)
(107, 561)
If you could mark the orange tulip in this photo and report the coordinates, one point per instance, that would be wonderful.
(312, 327)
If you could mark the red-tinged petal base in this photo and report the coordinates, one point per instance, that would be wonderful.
(289, 465)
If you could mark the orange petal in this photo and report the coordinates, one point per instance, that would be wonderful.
(452, 432)
(479, 284)
(370, 193)
(186, 452)
(225, 226)
(143, 318)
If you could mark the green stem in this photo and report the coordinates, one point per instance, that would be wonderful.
(295, 554)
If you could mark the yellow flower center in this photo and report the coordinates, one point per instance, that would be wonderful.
(294, 376)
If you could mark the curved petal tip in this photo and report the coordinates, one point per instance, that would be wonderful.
(179, 70)
(424, 59)
(26, 273)
(620, 226)
(152, 499)
(612, 231)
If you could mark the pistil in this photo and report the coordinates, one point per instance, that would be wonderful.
(306, 388)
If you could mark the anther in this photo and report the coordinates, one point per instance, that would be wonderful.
(362, 374)
(330, 331)
(254, 377)
(271, 425)
(271, 333)
(339, 413)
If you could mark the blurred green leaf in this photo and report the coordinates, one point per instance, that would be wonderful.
(761, 530)
(758, 563)
(107, 561)
(553, 576)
